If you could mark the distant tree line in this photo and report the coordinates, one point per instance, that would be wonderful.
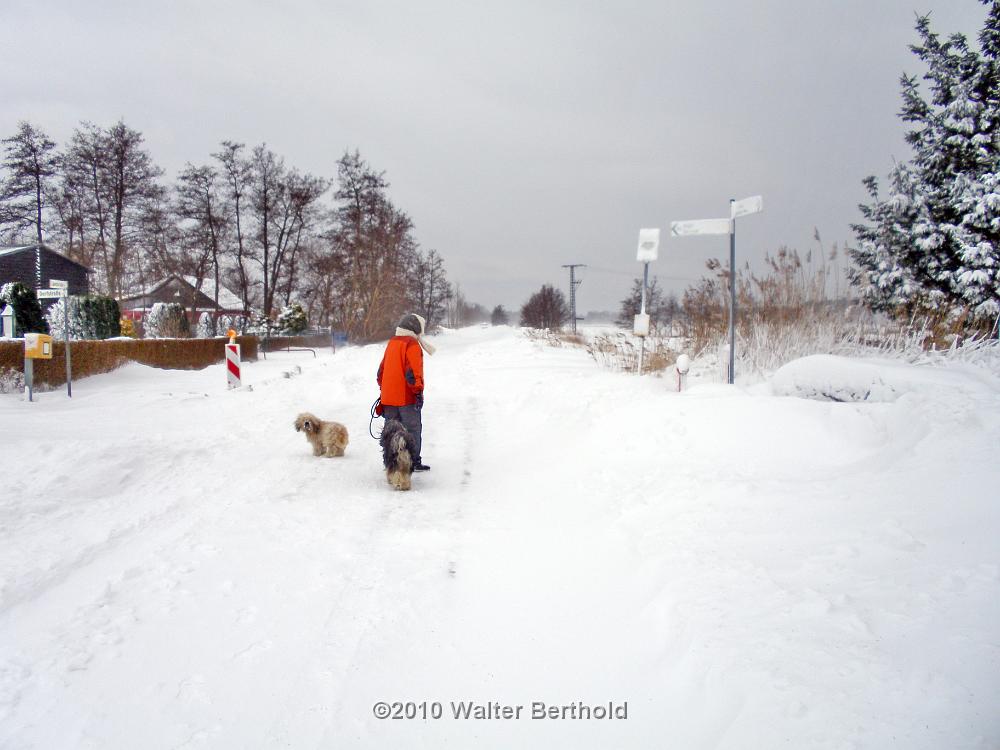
(243, 219)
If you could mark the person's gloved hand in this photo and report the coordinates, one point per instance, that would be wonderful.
(420, 400)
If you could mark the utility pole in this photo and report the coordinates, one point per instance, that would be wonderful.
(573, 284)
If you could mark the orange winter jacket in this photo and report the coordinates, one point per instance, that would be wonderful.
(401, 374)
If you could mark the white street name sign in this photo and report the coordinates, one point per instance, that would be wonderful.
(700, 226)
(50, 293)
(649, 245)
(58, 284)
(752, 205)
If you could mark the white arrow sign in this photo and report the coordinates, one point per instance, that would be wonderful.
(649, 245)
(50, 293)
(752, 205)
(700, 226)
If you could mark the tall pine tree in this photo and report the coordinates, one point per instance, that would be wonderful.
(932, 244)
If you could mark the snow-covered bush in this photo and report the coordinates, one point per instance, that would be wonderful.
(258, 325)
(291, 320)
(27, 312)
(100, 316)
(55, 316)
(166, 320)
(11, 381)
(91, 317)
(206, 326)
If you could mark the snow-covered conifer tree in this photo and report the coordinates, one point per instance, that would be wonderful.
(933, 242)
(206, 326)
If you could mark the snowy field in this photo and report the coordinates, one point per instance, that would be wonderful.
(744, 567)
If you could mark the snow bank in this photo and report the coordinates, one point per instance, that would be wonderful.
(825, 377)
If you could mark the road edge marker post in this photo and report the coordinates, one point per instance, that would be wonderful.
(233, 378)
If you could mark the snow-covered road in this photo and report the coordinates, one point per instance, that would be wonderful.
(744, 570)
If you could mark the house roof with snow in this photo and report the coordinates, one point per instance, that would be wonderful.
(227, 298)
(15, 249)
(36, 265)
(187, 291)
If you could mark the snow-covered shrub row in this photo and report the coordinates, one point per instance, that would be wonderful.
(91, 317)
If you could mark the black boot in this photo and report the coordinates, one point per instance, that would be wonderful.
(421, 466)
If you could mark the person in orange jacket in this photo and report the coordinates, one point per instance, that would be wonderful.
(401, 379)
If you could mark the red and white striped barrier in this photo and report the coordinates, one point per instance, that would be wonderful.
(233, 365)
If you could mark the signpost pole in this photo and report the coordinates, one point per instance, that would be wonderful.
(69, 369)
(642, 311)
(649, 248)
(29, 376)
(59, 289)
(732, 294)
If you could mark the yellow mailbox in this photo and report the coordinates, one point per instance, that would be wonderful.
(37, 346)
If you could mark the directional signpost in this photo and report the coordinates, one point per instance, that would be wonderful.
(752, 205)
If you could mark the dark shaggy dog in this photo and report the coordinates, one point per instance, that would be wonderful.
(398, 450)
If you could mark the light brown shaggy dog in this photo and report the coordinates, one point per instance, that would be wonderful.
(327, 438)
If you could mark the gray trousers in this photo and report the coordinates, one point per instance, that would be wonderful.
(410, 417)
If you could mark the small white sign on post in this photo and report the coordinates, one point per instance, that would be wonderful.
(752, 205)
(700, 226)
(50, 293)
(649, 245)
(640, 326)
(58, 284)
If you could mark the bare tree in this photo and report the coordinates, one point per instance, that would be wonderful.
(546, 308)
(373, 242)
(429, 288)
(31, 162)
(120, 180)
(267, 171)
(236, 176)
(205, 216)
(295, 217)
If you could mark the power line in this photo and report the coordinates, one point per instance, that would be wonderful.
(600, 269)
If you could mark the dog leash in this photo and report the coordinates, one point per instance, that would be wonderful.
(376, 413)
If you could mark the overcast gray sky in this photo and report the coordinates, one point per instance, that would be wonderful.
(519, 135)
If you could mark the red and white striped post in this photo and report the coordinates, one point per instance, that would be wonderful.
(233, 361)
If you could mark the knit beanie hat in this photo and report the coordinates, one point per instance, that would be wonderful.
(412, 322)
(414, 325)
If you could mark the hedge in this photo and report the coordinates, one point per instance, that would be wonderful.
(95, 357)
